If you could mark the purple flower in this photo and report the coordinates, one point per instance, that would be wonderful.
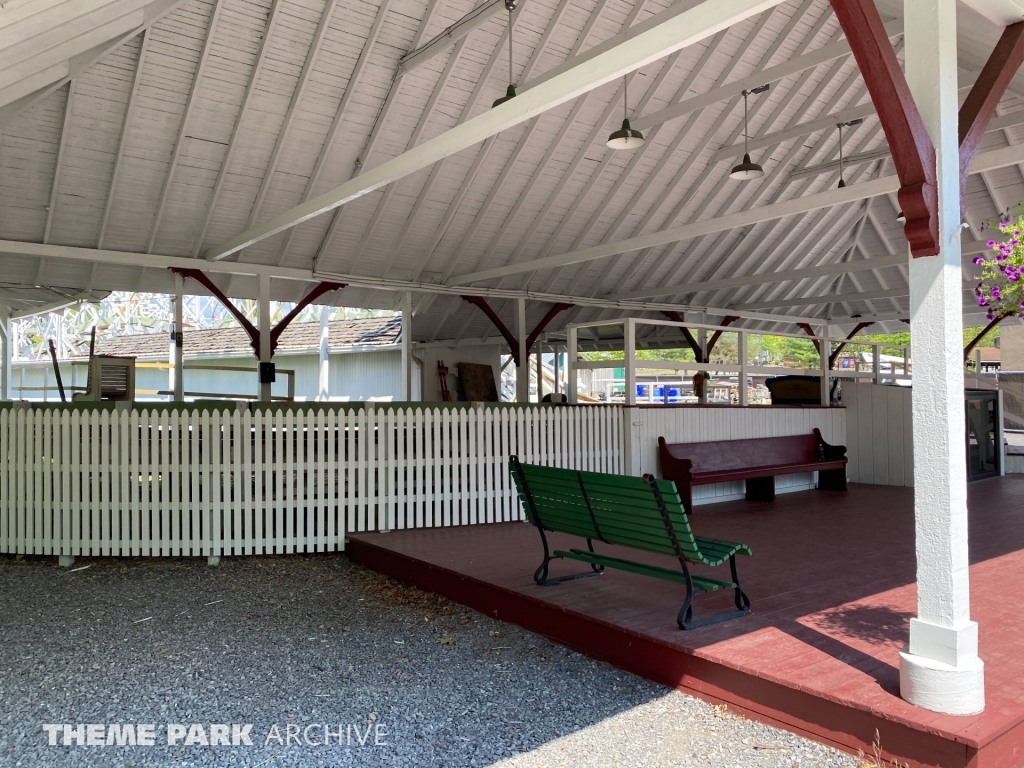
(978, 260)
(982, 301)
(1016, 233)
(989, 315)
(1015, 242)
(991, 243)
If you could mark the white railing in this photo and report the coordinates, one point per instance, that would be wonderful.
(898, 369)
(191, 481)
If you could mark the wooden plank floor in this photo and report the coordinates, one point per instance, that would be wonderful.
(831, 584)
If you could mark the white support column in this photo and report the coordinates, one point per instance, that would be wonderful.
(571, 382)
(523, 369)
(323, 390)
(630, 361)
(556, 370)
(876, 363)
(742, 379)
(178, 341)
(540, 370)
(702, 342)
(407, 346)
(939, 669)
(7, 332)
(824, 351)
(263, 318)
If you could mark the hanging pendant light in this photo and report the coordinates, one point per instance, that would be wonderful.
(748, 169)
(840, 126)
(625, 137)
(510, 5)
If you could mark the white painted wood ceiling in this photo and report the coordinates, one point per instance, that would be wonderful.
(195, 120)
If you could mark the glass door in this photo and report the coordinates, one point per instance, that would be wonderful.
(982, 447)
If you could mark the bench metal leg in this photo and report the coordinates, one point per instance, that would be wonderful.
(685, 618)
(761, 488)
(541, 574)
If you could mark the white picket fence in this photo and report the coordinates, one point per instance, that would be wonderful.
(203, 482)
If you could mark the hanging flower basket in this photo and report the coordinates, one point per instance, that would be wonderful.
(1001, 288)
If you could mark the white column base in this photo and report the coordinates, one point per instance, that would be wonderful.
(65, 561)
(942, 687)
(213, 560)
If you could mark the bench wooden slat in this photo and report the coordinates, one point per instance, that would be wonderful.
(705, 583)
(642, 513)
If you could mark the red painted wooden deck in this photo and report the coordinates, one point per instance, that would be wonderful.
(831, 582)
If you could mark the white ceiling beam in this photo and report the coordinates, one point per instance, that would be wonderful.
(289, 115)
(339, 115)
(687, 231)
(204, 56)
(484, 153)
(69, 106)
(831, 268)
(452, 34)
(680, 93)
(382, 204)
(129, 111)
(243, 111)
(637, 49)
(59, 76)
(147, 260)
(656, 263)
(362, 162)
(771, 75)
(998, 158)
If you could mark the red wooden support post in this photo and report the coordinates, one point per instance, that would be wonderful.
(675, 317)
(306, 300)
(481, 302)
(728, 320)
(513, 343)
(974, 342)
(835, 353)
(980, 105)
(251, 331)
(912, 151)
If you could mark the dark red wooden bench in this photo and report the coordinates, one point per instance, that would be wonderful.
(757, 461)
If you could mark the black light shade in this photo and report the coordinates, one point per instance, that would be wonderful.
(841, 183)
(626, 138)
(509, 94)
(746, 170)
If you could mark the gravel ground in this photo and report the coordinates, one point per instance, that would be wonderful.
(283, 643)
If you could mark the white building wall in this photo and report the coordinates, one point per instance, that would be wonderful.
(485, 354)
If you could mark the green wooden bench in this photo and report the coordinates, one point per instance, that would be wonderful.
(643, 513)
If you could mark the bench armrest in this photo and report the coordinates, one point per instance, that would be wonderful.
(832, 452)
(677, 470)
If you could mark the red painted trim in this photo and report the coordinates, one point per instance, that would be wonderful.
(202, 279)
(806, 328)
(912, 150)
(729, 320)
(675, 317)
(552, 313)
(756, 697)
(974, 342)
(988, 89)
(251, 330)
(513, 342)
(835, 354)
(309, 298)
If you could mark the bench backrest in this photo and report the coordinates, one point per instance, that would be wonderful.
(741, 454)
(615, 509)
